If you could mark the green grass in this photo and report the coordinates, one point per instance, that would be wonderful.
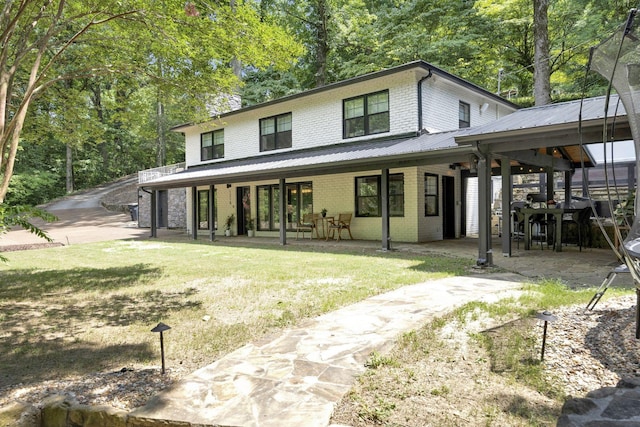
(84, 308)
(419, 365)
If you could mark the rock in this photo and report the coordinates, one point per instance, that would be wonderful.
(19, 414)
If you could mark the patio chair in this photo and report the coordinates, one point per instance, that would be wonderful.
(582, 219)
(518, 222)
(343, 222)
(309, 223)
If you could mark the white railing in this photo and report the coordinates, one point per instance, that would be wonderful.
(151, 174)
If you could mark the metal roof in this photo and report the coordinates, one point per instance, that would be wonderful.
(526, 123)
(375, 154)
(535, 128)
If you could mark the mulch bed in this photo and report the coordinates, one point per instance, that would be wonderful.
(25, 247)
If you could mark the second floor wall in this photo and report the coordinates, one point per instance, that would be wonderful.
(382, 107)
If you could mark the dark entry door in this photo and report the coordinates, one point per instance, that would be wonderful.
(243, 211)
(448, 208)
(163, 208)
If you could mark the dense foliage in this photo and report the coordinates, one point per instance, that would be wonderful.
(100, 83)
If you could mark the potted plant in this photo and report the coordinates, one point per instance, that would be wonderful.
(323, 212)
(250, 226)
(228, 223)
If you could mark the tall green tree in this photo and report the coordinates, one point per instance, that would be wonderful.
(45, 43)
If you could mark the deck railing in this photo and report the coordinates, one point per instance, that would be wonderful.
(151, 174)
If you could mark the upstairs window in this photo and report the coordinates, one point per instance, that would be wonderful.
(212, 145)
(275, 132)
(366, 115)
(464, 120)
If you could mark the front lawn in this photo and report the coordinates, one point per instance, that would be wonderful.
(74, 310)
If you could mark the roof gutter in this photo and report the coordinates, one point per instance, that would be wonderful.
(420, 128)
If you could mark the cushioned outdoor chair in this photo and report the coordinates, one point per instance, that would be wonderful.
(343, 222)
(309, 223)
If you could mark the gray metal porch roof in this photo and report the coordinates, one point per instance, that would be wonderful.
(535, 128)
(375, 154)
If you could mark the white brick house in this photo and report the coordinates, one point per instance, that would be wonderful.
(336, 147)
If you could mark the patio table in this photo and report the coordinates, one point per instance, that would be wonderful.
(557, 214)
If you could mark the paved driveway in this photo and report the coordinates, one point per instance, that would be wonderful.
(81, 219)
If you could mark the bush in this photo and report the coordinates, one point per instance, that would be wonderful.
(34, 188)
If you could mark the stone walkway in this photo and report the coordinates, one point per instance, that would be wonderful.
(295, 379)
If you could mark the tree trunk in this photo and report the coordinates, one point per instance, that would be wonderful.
(322, 42)
(161, 145)
(69, 171)
(541, 63)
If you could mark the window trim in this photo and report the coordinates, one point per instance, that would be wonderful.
(212, 147)
(279, 142)
(366, 117)
(435, 196)
(378, 196)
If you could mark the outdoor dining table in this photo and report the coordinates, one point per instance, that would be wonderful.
(557, 214)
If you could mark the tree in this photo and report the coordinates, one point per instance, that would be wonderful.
(541, 67)
(45, 43)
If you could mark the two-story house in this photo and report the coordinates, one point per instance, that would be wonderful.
(380, 146)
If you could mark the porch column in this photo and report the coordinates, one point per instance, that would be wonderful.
(194, 213)
(212, 211)
(283, 212)
(384, 191)
(550, 179)
(154, 213)
(507, 196)
(568, 176)
(485, 257)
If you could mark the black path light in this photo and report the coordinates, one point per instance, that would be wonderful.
(161, 327)
(547, 317)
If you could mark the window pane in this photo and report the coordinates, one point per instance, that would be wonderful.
(218, 151)
(263, 208)
(396, 195)
(292, 206)
(267, 126)
(284, 139)
(354, 108)
(284, 123)
(378, 103)
(354, 127)
(206, 153)
(218, 137)
(306, 204)
(431, 195)
(203, 209)
(379, 123)
(368, 196)
(464, 115)
(275, 207)
(207, 139)
(268, 142)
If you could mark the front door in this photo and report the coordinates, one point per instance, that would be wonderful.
(163, 208)
(243, 212)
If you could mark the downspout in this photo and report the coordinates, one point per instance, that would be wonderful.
(485, 256)
(420, 100)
